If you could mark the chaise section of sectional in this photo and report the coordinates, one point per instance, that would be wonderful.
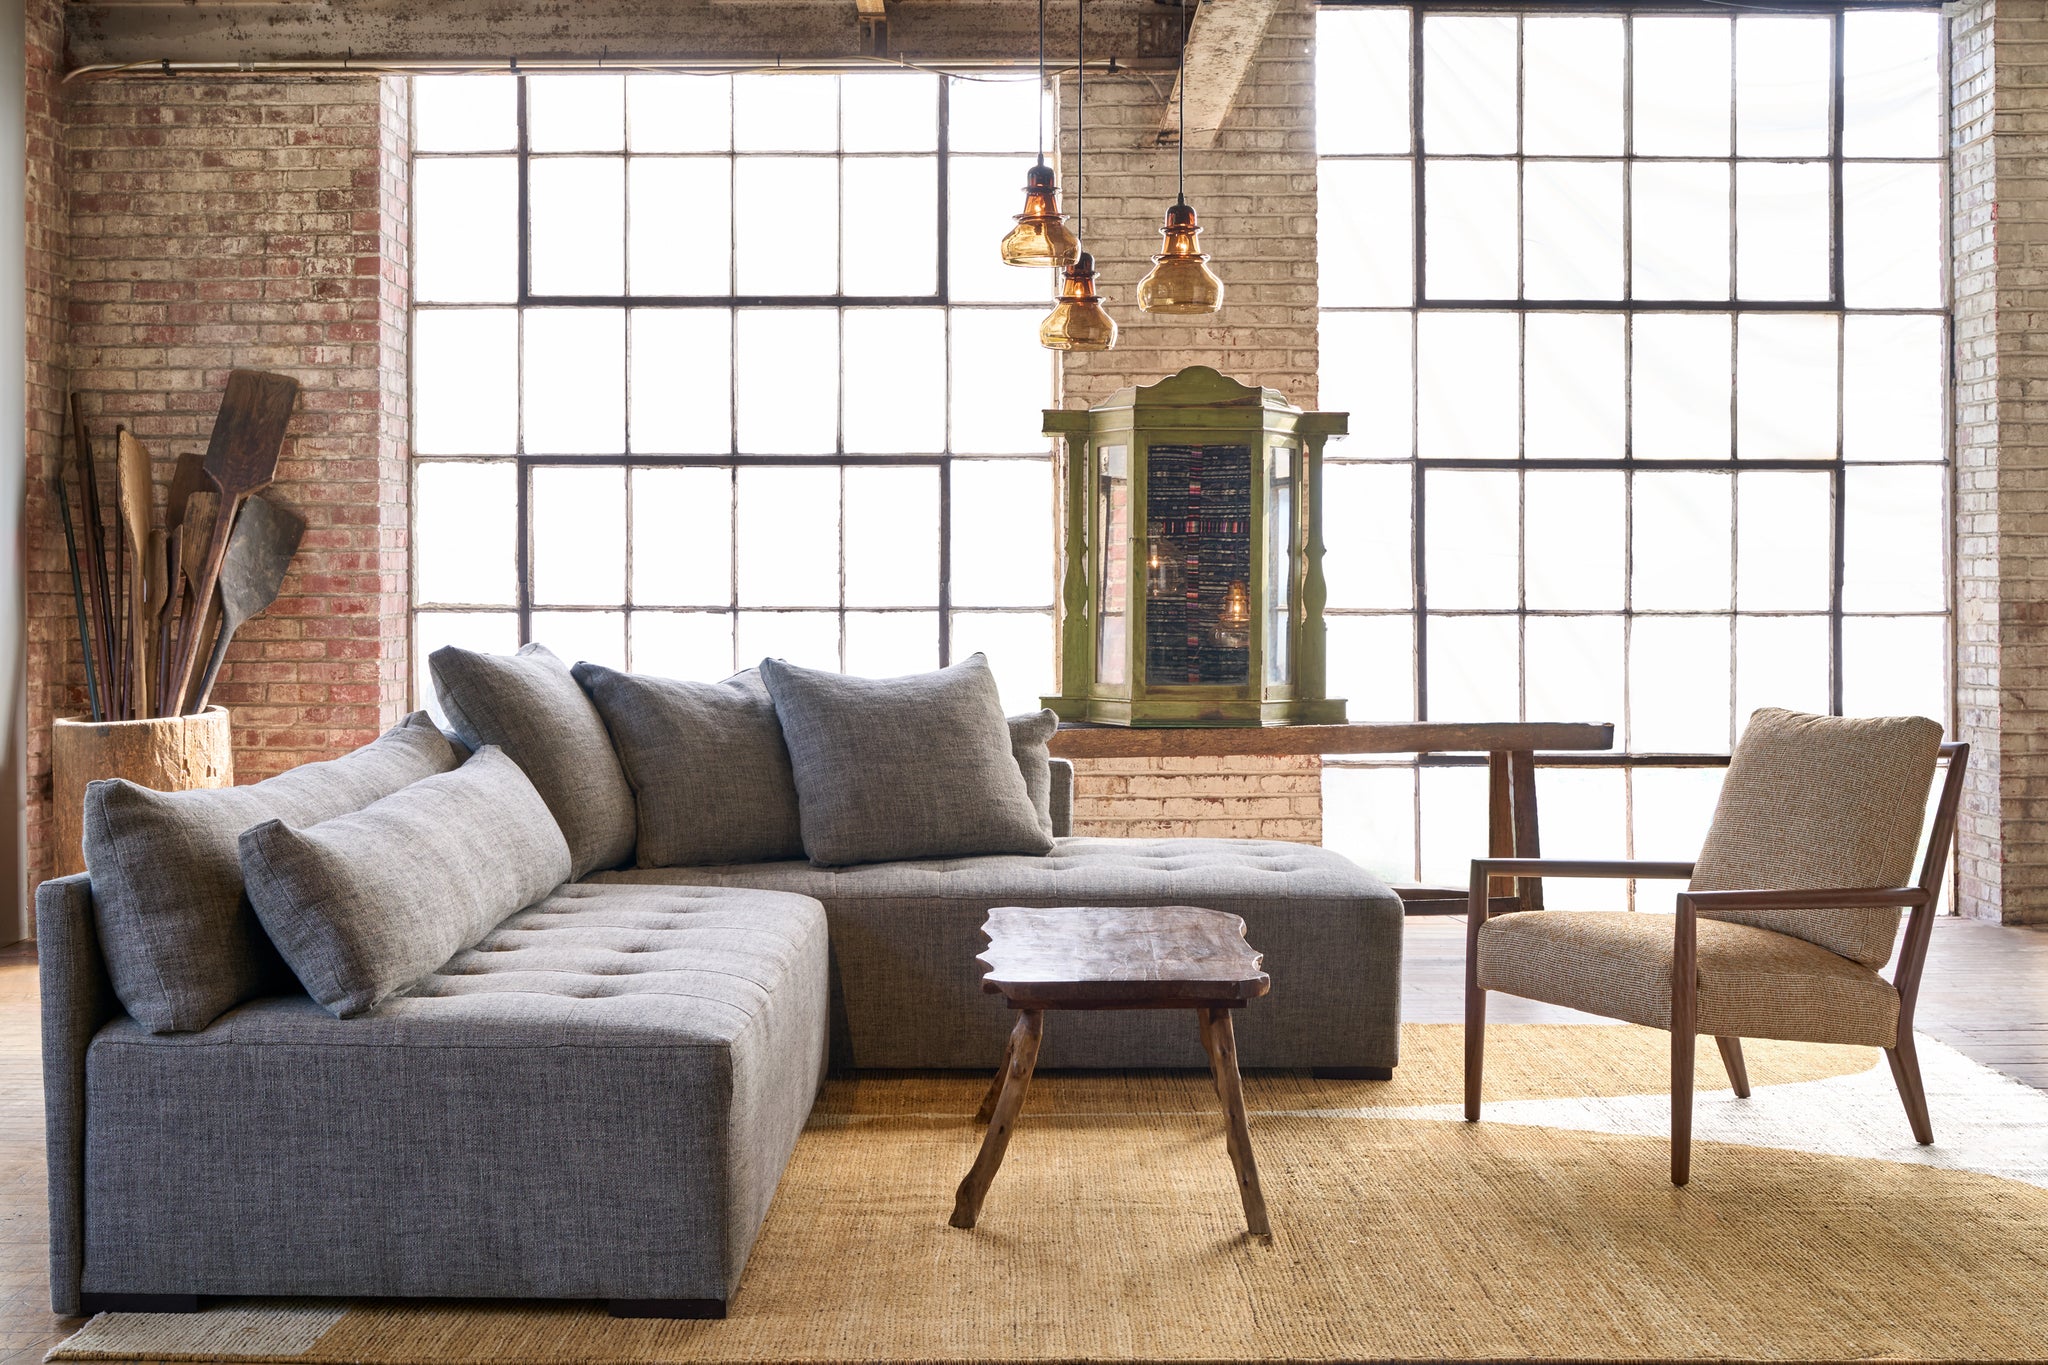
(907, 989)
(596, 1101)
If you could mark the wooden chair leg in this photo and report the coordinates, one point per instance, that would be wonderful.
(1237, 1135)
(1683, 1042)
(1731, 1058)
(1906, 1072)
(1475, 1049)
(1023, 1056)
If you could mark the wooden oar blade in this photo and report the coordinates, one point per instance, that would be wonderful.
(260, 550)
(187, 479)
(247, 434)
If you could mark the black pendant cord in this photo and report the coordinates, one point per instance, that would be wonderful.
(1181, 142)
(1041, 82)
(1080, 107)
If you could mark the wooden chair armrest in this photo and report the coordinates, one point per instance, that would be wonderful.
(1570, 867)
(1838, 898)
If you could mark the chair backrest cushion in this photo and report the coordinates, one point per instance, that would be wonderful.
(1822, 801)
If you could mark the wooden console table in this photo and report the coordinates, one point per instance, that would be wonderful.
(1510, 747)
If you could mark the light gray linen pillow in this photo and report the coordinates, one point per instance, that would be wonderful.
(365, 904)
(1029, 736)
(709, 770)
(892, 768)
(181, 943)
(528, 705)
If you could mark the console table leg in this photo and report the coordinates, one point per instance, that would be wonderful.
(1020, 1057)
(1238, 1134)
(1209, 1046)
(995, 1082)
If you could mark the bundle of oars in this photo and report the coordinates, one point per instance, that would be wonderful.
(157, 592)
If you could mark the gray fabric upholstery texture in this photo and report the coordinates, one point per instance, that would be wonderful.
(1028, 736)
(77, 1000)
(1822, 801)
(181, 941)
(709, 772)
(595, 1101)
(367, 903)
(1062, 800)
(894, 768)
(529, 705)
(907, 988)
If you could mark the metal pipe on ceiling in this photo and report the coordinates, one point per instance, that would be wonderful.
(428, 66)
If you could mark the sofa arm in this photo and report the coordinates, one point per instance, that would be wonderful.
(78, 999)
(1062, 798)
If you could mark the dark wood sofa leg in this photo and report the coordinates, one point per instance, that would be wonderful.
(88, 1304)
(1352, 1073)
(1731, 1058)
(666, 1308)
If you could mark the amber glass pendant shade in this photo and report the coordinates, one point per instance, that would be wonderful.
(1078, 322)
(1180, 280)
(1041, 237)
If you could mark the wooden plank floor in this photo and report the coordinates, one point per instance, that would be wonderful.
(1986, 994)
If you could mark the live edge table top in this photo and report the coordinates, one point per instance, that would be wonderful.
(1147, 957)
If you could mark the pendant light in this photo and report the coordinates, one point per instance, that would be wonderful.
(1078, 322)
(1180, 280)
(1040, 238)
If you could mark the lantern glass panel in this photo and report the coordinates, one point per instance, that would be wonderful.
(1113, 534)
(1280, 550)
(1198, 615)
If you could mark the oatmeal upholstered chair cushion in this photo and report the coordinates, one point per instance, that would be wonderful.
(707, 763)
(181, 942)
(366, 904)
(1817, 801)
(1753, 983)
(529, 705)
(913, 767)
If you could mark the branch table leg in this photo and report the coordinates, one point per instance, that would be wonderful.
(1238, 1135)
(1021, 1057)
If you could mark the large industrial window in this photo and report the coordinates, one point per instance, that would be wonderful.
(1640, 318)
(711, 368)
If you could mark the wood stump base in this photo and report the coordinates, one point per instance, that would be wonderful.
(167, 754)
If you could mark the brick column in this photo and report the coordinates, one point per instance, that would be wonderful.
(255, 223)
(1999, 67)
(1256, 194)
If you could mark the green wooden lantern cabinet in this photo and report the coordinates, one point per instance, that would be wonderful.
(1192, 585)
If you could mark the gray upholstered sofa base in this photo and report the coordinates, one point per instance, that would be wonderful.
(595, 1102)
(907, 991)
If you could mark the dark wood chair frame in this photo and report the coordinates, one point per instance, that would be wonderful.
(1921, 899)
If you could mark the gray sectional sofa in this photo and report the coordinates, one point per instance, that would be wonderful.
(596, 1099)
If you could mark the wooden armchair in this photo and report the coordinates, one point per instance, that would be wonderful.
(1791, 910)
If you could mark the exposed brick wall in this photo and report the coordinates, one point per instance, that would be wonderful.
(52, 644)
(1255, 192)
(252, 223)
(1999, 65)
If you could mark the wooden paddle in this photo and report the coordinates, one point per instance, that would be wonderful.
(187, 479)
(241, 458)
(260, 550)
(90, 528)
(201, 510)
(146, 592)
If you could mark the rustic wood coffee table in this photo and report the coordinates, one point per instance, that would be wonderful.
(1173, 957)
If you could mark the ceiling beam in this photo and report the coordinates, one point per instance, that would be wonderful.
(1223, 38)
(111, 31)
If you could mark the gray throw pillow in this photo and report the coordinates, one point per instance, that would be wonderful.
(1029, 736)
(365, 904)
(181, 943)
(709, 771)
(891, 768)
(528, 705)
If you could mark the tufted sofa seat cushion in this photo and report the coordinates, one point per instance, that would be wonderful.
(611, 1082)
(905, 936)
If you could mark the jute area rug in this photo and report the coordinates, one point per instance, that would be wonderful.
(1814, 1229)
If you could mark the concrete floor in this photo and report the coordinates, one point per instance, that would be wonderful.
(1985, 994)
